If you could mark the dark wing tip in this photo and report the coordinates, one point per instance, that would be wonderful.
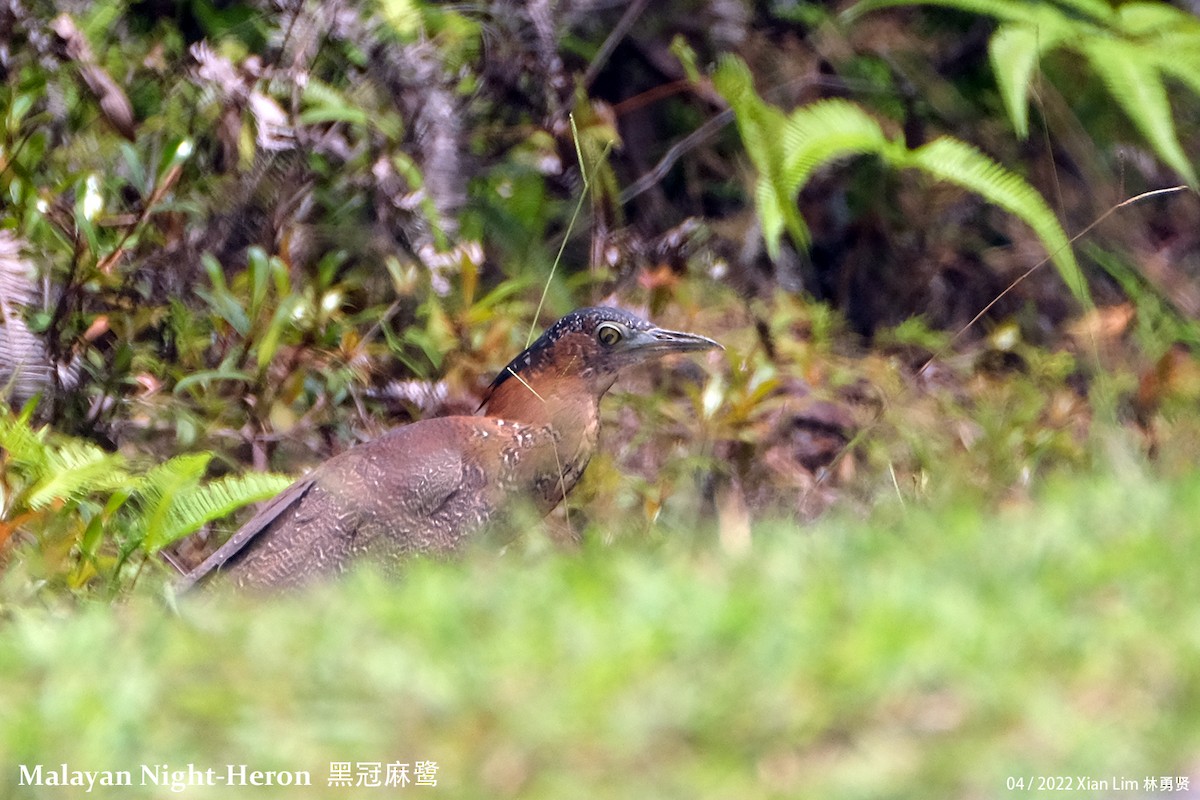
(228, 553)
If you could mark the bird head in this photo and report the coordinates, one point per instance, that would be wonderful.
(592, 345)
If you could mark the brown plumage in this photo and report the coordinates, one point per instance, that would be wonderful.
(428, 486)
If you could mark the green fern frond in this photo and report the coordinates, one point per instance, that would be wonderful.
(182, 470)
(775, 216)
(25, 449)
(156, 491)
(832, 129)
(1131, 76)
(1185, 68)
(1005, 10)
(1097, 9)
(959, 163)
(826, 131)
(1131, 48)
(732, 79)
(75, 469)
(759, 125)
(1157, 20)
(198, 505)
(1009, 11)
(1015, 51)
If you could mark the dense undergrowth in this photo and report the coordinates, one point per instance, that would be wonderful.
(237, 240)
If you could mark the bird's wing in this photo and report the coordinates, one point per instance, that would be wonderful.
(419, 488)
(368, 475)
(402, 481)
(288, 499)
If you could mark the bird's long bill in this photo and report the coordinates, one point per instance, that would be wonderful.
(662, 341)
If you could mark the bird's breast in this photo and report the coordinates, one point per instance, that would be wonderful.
(540, 463)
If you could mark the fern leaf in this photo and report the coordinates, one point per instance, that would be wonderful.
(1134, 82)
(155, 493)
(753, 116)
(199, 505)
(1155, 19)
(1129, 47)
(775, 217)
(25, 449)
(1168, 36)
(179, 471)
(1006, 10)
(1014, 51)
(1184, 67)
(75, 469)
(1101, 10)
(825, 131)
(758, 122)
(324, 103)
(761, 126)
(959, 163)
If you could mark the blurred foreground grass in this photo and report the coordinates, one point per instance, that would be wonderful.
(920, 653)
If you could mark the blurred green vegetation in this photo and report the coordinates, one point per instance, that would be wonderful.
(266, 232)
(933, 650)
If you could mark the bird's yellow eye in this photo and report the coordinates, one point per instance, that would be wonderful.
(609, 334)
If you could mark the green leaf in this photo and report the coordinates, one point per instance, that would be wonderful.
(75, 469)
(207, 376)
(1015, 51)
(788, 154)
(404, 17)
(1171, 38)
(687, 57)
(1081, 14)
(758, 123)
(1145, 19)
(1006, 10)
(770, 215)
(23, 447)
(1130, 48)
(959, 163)
(326, 104)
(825, 131)
(18, 109)
(227, 307)
(83, 221)
(258, 267)
(157, 481)
(1101, 10)
(1133, 80)
(156, 491)
(216, 273)
(199, 505)
(761, 128)
(1184, 67)
(92, 536)
(280, 321)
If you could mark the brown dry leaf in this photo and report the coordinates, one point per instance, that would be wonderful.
(1175, 375)
(1103, 325)
(98, 328)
